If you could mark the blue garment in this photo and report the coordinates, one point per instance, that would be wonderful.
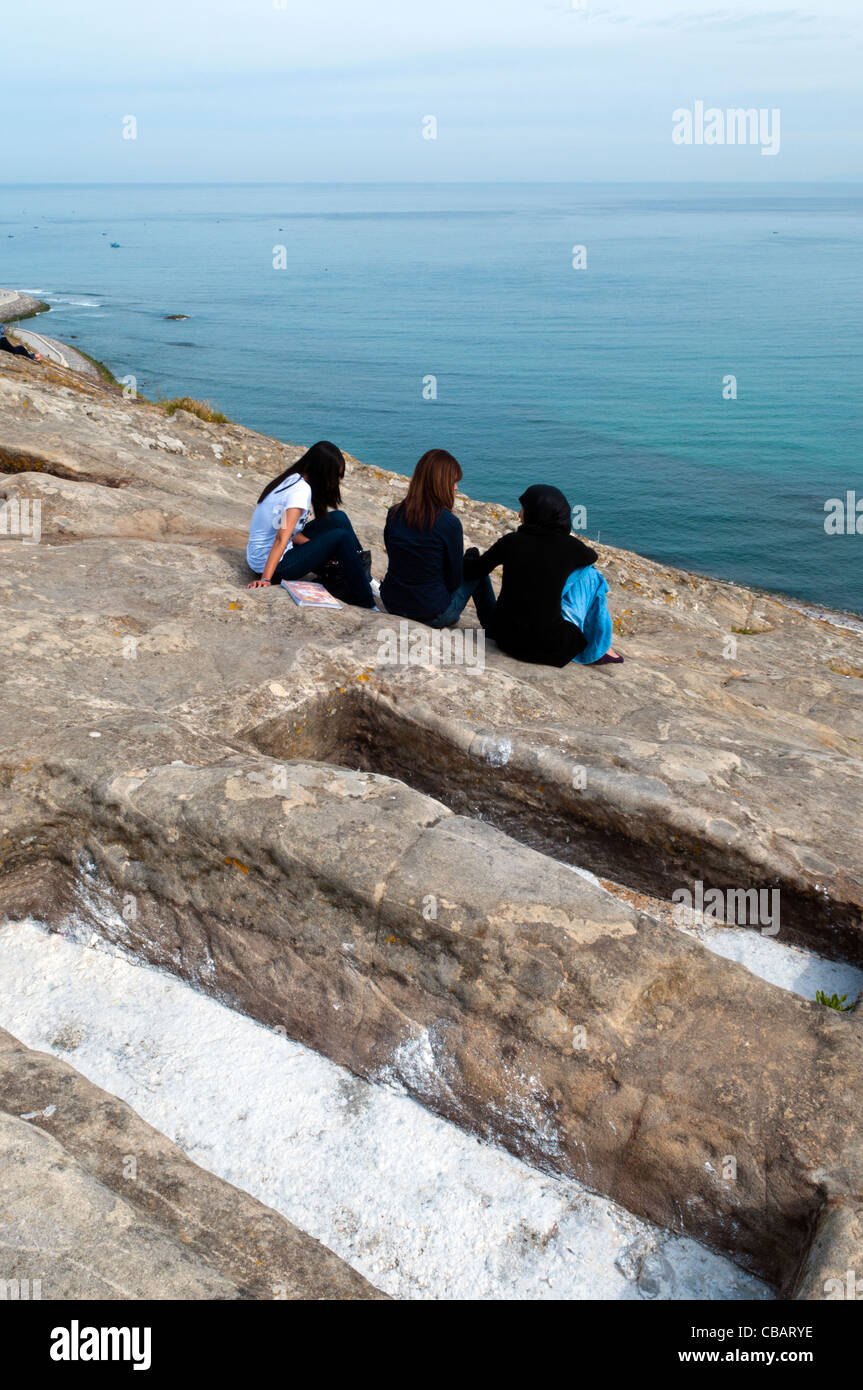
(583, 603)
(425, 567)
(482, 593)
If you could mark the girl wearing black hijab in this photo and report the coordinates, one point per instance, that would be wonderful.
(551, 608)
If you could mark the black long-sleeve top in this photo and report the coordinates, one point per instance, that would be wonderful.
(528, 622)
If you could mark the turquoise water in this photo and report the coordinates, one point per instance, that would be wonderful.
(607, 381)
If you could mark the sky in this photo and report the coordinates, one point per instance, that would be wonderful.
(337, 90)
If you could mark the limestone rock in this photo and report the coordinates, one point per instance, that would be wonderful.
(375, 856)
(97, 1204)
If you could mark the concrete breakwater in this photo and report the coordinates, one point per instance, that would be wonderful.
(14, 305)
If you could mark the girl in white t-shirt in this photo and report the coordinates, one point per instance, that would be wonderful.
(278, 549)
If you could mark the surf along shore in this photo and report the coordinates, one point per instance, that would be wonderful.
(376, 855)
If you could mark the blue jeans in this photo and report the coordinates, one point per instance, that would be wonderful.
(329, 540)
(333, 521)
(480, 591)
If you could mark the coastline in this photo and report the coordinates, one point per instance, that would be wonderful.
(443, 875)
(630, 422)
(363, 940)
(847, 619)
(15, 306)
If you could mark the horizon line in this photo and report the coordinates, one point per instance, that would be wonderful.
(426, 183)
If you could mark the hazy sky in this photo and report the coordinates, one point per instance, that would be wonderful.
(337, 89)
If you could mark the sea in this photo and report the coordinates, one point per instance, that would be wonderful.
(684, 361)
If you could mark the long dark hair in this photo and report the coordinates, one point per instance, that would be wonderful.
(323, 467)
(430, 490)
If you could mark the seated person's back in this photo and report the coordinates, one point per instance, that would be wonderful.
(537, 561)
(425, 565)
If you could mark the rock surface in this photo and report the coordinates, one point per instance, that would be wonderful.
(204, 773)
(832, 1268)
(97, 1204)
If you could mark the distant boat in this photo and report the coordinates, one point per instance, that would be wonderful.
(115, 243)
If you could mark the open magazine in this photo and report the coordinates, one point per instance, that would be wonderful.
(308, 595)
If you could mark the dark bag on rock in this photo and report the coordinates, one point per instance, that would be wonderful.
(333, 579)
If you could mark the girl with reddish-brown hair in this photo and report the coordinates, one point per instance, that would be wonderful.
(425, 549)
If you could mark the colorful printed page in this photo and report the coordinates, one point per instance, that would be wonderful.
(308, 595)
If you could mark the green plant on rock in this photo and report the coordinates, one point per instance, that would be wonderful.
(833, 1001)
